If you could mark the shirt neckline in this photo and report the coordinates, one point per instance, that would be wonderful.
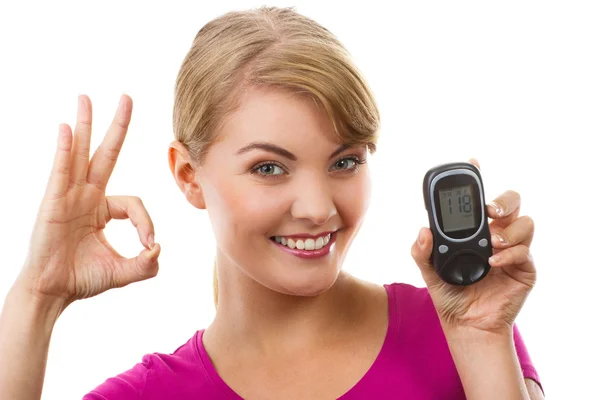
(212, 375)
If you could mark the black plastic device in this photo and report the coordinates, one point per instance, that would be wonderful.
(455, 201)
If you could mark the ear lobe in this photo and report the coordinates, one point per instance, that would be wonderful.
(184, 172)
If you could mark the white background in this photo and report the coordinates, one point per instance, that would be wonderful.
(515, 84)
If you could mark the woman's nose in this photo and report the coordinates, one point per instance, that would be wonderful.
(313, 200)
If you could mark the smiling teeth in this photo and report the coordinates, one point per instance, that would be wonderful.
(306, 244)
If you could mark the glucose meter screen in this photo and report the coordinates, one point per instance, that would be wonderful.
(457, 208)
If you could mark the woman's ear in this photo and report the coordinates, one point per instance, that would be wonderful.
(184, 172)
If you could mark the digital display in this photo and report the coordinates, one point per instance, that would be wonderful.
(457, 208)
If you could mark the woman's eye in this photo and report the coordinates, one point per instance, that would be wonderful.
(269, 169)
(272, 170)
(343, 163)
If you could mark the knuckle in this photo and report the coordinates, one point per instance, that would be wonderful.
(505, 256)
(146, 269)
(528, 221)
(80, 182)
(97, 183)
(514, 194)
(413, 251)
(139, 267)
(120, 122)
(85, 122)
(112, 153)
(62, 169)
(83, 152)
(521, 254)
(530, 256)
(137, 201)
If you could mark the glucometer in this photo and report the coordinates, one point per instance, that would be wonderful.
(455, 202)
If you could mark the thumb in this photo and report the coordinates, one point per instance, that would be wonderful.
(421, 253)
(139, 268)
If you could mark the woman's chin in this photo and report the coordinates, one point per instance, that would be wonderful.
(307, 285)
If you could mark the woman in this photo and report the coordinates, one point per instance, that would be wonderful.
(273, 127)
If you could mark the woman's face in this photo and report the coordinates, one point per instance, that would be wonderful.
(278, 171)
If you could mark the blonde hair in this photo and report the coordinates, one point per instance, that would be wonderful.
(268, 47)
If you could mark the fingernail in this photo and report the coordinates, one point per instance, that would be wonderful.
(497, 208)
(494, 259)
(151, 241)
(501, 239)
(420, 238)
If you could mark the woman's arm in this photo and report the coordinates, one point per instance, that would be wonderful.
(26, 325)
(488, 366)
(68, 258)
(534, 389)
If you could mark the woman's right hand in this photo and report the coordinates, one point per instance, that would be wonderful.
(69, 257)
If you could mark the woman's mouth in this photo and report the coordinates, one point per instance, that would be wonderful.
(306, 247)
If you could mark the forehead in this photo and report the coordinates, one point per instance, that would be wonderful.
(279, 116)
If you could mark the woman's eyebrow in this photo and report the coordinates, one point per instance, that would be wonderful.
(280, 150)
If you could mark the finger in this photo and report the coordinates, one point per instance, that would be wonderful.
(139, 268)
(519, 232)
(105, 157)
(474, 162)
(80, 155)
(421, 253)
(506, 205)
(59, 176)
(123, 207)
(517, 255)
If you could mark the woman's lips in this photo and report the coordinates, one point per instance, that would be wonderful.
(323, 251)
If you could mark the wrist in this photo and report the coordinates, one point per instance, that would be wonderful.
(42, 308)
(487, 363)
(474, 335)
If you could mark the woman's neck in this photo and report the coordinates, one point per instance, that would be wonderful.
(264, 322)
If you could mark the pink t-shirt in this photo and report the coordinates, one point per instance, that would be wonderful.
(414, 363)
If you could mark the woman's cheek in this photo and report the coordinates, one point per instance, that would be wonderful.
(352, 198)
(263, 209)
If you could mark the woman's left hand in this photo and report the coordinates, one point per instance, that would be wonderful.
(492, 304)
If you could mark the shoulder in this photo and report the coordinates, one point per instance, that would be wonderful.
(395, 290)
(156, 373)
(411, 314)
(403, 299)
(407, 289)
(184, 357)
(408, 297)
